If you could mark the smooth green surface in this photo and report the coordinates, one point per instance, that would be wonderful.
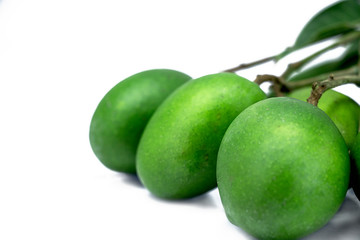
(341, 109)
(123, 113)
(177, 153)
(355, 166)
(283, 169)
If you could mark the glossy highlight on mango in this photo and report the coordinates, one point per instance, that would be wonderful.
(177, 153)
(283, 169)
(123, 113)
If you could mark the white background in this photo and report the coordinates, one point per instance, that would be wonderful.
(58, 59)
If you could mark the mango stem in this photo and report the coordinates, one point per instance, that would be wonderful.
(318, 88)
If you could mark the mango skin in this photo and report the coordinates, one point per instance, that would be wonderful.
(283, 169)
(344, 111)
(123, 113)
(177, 153)
(355, 166)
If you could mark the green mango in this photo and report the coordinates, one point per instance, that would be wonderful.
(355, 166)
(340, 108)
(121, 116)
(283, 169)
(177, 154)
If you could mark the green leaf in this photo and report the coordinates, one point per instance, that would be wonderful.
(349, 58)
(339, 18)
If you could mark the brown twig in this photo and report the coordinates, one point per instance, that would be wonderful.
(318, 88)
(280, 85)
(307, 82)
(266, 78)
(277, 83)
(342, 41)
(292, 67)
(249, 65)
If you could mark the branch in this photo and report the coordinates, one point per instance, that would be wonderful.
(350, 75)
(277, 83)
(266, 78)
(318, 88)
(306, 82)
(249, 65)
(297, 65)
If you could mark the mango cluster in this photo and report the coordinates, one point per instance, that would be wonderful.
(282, 166)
